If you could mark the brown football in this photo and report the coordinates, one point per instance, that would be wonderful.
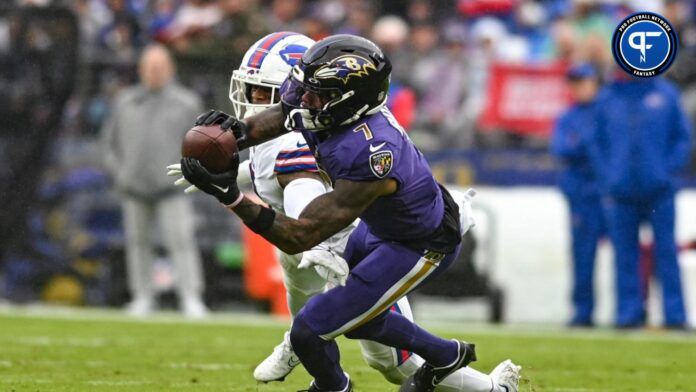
(211, 145)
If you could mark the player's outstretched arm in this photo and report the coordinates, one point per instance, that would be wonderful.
(264, 126)
(323, 217)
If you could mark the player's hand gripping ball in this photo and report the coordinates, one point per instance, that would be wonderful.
(221, 185)
(214, 147)
(210, 156)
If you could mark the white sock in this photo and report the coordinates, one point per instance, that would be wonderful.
(467, 380)
(463, 380)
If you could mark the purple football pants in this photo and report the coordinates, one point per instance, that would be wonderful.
(381, 273)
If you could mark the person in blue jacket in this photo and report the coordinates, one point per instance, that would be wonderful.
(578, 183)
(641, 141)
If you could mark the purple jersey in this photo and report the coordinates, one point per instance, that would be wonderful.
(375, 148)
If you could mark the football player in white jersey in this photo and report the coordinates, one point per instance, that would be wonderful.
(284, 174)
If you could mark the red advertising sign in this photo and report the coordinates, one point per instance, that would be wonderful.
(524, 99)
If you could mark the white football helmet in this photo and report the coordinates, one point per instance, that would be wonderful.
(267, 63)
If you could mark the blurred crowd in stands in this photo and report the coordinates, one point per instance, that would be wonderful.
(442, 50)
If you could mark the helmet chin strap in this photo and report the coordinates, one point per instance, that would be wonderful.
(306, 119)
(378, 107)
(356, 116)
(363, 110)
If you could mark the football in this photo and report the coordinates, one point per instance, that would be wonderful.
(213, 146)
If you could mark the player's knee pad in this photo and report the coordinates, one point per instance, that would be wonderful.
(300, 332)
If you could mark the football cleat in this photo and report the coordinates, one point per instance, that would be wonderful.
(314, 388)
(279, 364)
(427, 377)
(507, 376)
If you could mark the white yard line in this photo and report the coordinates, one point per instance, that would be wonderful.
(207, 366)
(256, 320)
(545, 331)
(118, 383)
(24, 379)
(162, 317)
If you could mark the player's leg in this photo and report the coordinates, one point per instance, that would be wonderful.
(176, 219)
(137, 220)
(662, 221)
(397, 365)
(587, 226)
(387, 273)
(300, 285)
(623, 221)
(394, 364)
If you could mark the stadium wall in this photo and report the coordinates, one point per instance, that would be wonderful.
(530, 241)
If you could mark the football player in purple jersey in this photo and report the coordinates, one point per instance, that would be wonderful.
(410, 228)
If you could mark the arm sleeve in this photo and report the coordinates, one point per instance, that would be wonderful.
(680, 138)
(558, 140)
(299, 193)
(295, 159)
(109, 140)
(244, 174)
(595, 138)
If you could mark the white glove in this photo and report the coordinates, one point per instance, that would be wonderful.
(243, 176)
(328, 265)
(466, 216)
(175, 171)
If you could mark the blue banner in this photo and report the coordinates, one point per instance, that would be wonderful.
(504, 167)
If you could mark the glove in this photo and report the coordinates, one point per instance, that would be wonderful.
(223, 186)
(174, 170)
(466, 215)
(328, 265)
(226, 122)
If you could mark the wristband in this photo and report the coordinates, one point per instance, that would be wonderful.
(263, 221)
(236, 202)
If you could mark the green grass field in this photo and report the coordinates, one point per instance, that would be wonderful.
(47, 350)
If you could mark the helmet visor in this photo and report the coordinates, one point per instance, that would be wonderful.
(297, 94)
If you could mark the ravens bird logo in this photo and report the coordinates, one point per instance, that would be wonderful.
(344, 67)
